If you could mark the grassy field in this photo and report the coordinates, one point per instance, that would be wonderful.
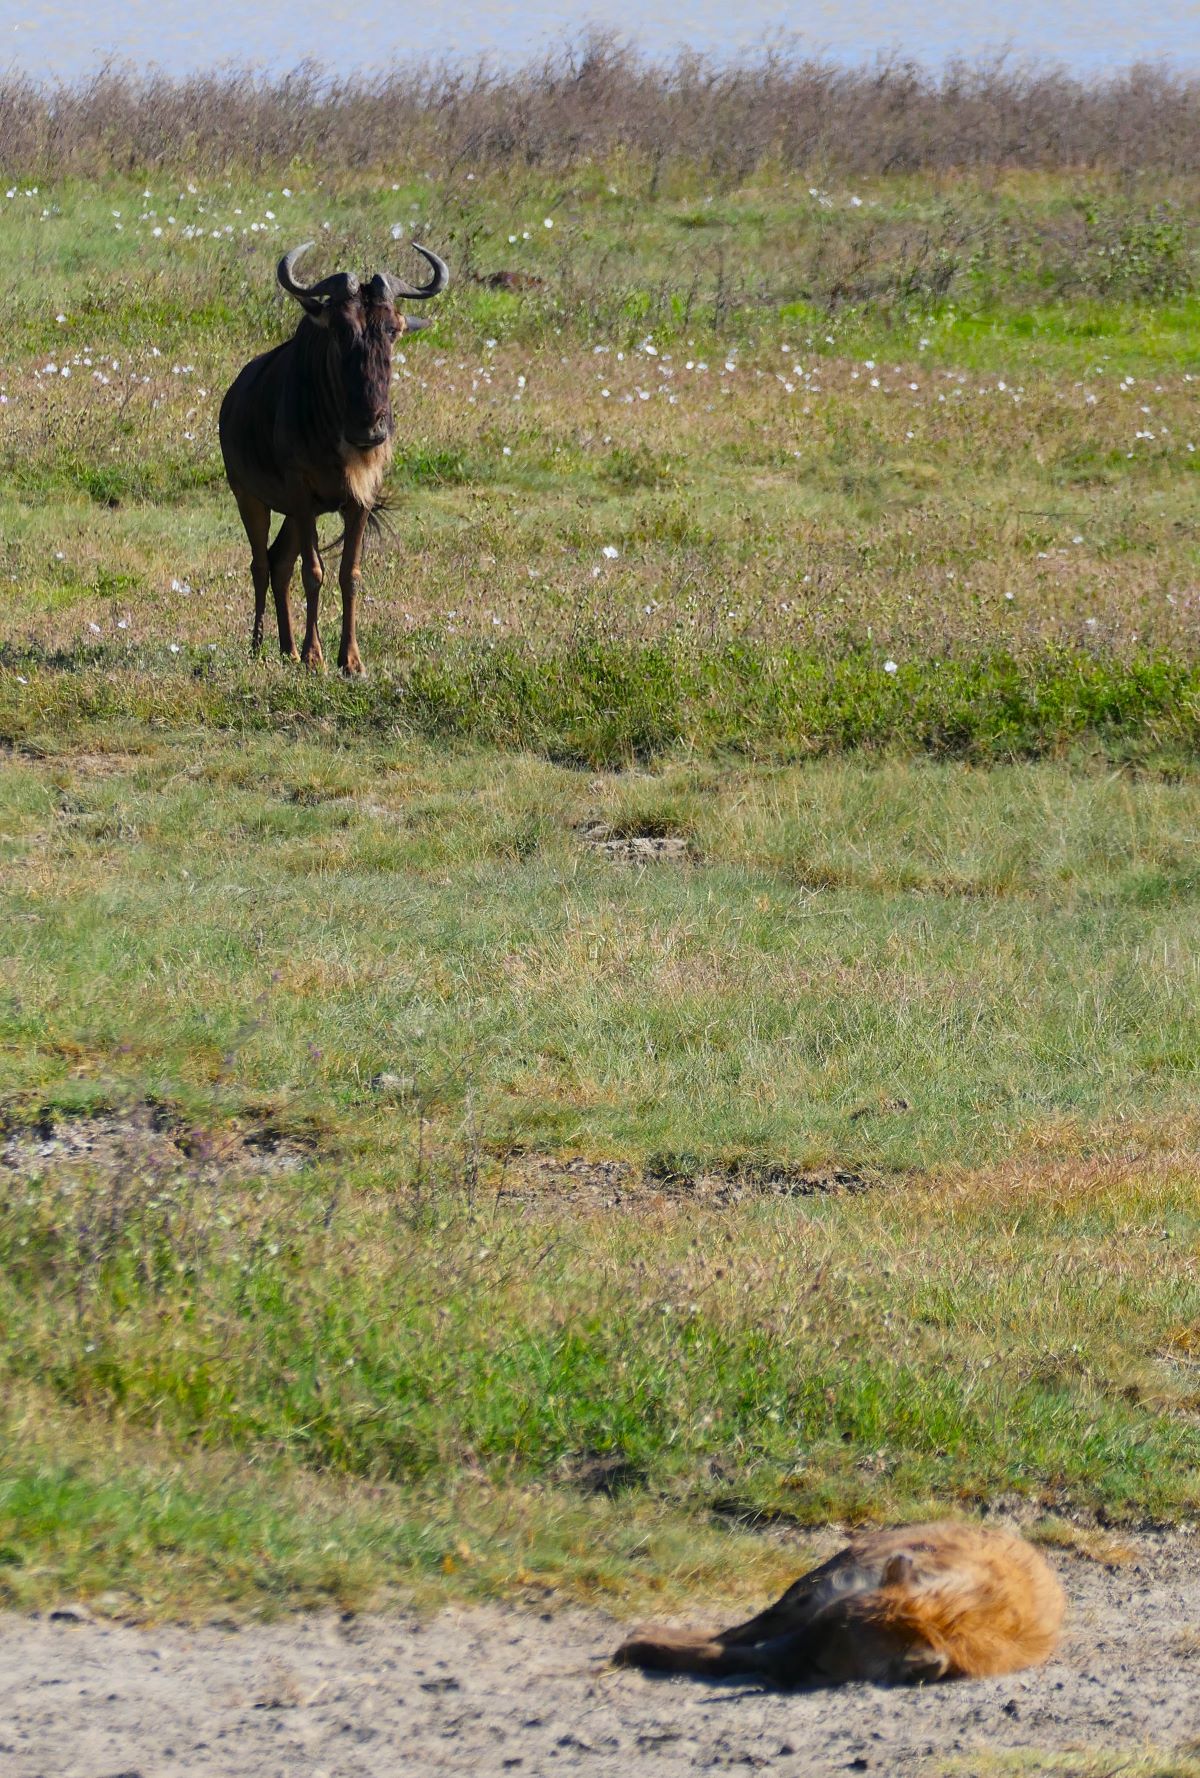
(781, 472)
(408, 1189)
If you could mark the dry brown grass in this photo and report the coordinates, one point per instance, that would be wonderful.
(932, 510)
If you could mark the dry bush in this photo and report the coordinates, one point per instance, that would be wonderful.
(598, 96)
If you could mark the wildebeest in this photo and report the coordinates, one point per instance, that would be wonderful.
(941, 1601)
(306, 429)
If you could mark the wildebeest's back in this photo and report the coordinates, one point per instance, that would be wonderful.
(248, 426)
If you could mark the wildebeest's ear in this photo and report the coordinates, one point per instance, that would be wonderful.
(414, 325)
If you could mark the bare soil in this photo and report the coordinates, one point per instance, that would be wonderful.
(491, 1690)
(634, 848)
(140, 1140)
(612, 1185)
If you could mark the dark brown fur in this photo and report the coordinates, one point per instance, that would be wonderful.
(306, 429)
(941, 1601)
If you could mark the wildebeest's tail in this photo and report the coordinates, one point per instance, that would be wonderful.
(379, 521)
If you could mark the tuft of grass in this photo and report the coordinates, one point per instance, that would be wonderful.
(1079, 1763)
(430, 466)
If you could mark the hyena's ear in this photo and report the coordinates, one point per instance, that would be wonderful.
(900, 1572)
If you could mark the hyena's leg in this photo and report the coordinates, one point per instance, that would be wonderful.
(805, 1598)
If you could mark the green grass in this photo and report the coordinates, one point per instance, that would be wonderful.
(426, 1385)
(279, 921)
(608, 705)
(931, 928)
(257, 932)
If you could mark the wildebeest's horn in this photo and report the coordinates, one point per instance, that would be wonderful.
(435, 286)
(314, 296)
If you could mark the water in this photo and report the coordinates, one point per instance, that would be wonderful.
(72, 38)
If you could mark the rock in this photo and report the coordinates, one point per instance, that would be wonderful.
(398, 1085)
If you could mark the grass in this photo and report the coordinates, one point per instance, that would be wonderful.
(991, 487)
(898, 640)
(595, 99)
(409, 961)
(443, 1379)
(603, 705)
(1145, 1763)
(280, 922)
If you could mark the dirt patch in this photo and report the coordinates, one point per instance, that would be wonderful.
(647, 847)
(82, 765)
(616, 1184)
(95, 765)
(309, 796)
(736, 1184)
(601, 1472)
(606, 1184)
(491, 1691)
(146, 1140)
(884, 1108)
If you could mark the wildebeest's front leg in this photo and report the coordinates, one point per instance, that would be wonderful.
(349, 574)
(282, 560)
(312, 572)
(257, 519)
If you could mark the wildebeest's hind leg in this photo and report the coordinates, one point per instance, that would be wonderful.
(282, 560)
(257, 519)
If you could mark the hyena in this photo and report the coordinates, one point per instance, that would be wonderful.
(920, 1602)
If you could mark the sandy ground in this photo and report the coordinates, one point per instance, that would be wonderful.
(492, 1690)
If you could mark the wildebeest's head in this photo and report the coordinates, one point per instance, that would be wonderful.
(362, 325)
